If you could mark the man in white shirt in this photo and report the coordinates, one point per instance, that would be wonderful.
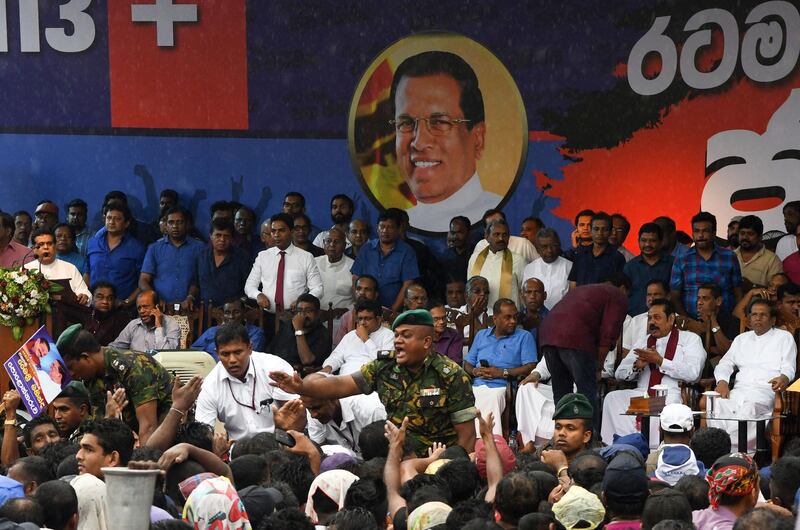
(765, 358)
(334, 269)
(237, 392)
(340, 421)
(44, 247)
(499, 265)
(361, 345)
(516, 244)
(787, 245)
(342, 210)
(552, 269)
(152, 330)
(667, 356)
(438, 142)
(535, 406)
(283, 270)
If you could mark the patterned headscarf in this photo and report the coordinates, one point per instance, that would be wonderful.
(215, 505)
(334, 484)
(735, 475)
(428, 515)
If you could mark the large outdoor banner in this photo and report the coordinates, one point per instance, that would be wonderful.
(643, 107)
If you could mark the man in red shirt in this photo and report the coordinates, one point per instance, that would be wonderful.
(579, 331)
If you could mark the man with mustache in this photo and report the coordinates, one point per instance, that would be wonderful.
(652, 263)
(666, 357)
(757, 263)
(704, 263)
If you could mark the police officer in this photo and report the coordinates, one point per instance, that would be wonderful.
(148, 386)
(433, 392)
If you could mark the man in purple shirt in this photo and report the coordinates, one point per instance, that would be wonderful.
(579, 331)
(12, 254)
(446, 341)
(733, 490)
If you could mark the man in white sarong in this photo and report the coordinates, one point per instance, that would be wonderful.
(765, 358)
(665, 357)
(535, 406)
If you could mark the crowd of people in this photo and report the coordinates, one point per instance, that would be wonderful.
(382, 386)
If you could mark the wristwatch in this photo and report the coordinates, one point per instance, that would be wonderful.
(299, 333)
(714, 330)
(505, 373)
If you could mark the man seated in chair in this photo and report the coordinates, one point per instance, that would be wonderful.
(303, 341)
(232, 311)
(666, 357)
(766, 360)
(715, 325)
(366, 288)
(498, 354)
(361, 345)
(153, 330)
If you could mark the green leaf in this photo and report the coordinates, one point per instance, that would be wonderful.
(16, 332)
(29, 321)
(55, 287)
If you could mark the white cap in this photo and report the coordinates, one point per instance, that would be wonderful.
(677, 417)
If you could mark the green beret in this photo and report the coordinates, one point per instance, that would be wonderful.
(573, 406)
(65, 339)
(415, 317)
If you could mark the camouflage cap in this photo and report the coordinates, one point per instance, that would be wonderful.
(573, 406)
(67, 336)
(415, 317)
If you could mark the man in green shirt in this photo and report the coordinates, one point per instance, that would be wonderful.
(433, 392)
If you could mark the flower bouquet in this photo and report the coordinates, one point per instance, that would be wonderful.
(24, 295)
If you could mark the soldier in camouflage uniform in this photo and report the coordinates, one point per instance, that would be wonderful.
(433, 392)
(148, 386)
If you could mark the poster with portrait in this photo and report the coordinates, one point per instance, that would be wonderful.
(38, 372)
(438, 128)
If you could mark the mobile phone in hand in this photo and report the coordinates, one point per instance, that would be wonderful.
(484, 363)
(284, 438)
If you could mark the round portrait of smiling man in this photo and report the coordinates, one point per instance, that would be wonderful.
(437, 127)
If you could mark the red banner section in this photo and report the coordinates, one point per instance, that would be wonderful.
(175, 66)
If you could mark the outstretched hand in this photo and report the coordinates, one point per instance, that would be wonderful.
(292, 384)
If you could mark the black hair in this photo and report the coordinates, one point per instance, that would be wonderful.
(373, 306)
(587, 469)
(220, 205)
(222, 225)
(146, 453)
(710, 443)
(197, 434)
(716, 290)
(428, 493)
(33, 469)
(68, 467)
(773, 309)
(102, 284)
(285, 218)
(455, 451)
(354, 519)
(70, 228)
(228, 333)
(309, 299)
(539, 521)
(695, 488)
(584, 213)
(7, 221)
(27, 430)
(298, 195)
(261, 443)
(651, 228)
(112, 435)
(345, 198)
(370, 277)
(169, 193)
(658, 281)
(601, 216)
(533, 219)
(370, 495)
(59, 503)
(77, 396)
(56, 453)
(171, 524)
(248, 470)
(669, 306)
(705, 217)
(461, 219)
(625, 222)
(760, 518)
(115, 195)
(500, 302)
(516, 496)
(790, 288)
(785, 480)
(475, 524)
(296, 472)
(176, 474)
(289, 498)
(286, 519)
(492, 211)
(410, 487)
(77, 203)
(621, 508)
(469, 510)
(372, 441)
(438, 62)
(391, 215)
(117, 206)
(39, 232)
(461, 476)
(672, 524)
(752, 222)
(23, 510)
(666, 504)
(619, 279)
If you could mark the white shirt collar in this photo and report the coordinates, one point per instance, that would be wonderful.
(465, 195)
(251, 373)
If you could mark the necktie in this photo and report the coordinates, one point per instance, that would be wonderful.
(279, 282)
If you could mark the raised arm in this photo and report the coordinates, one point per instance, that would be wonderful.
(324, 388)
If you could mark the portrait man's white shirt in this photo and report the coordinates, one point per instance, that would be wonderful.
(470, 200)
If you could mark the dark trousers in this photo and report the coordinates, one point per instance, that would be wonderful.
(570, 367)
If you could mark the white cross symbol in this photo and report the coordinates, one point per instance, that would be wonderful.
(165, 14)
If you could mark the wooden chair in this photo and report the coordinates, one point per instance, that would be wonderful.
(190, 322)
(252, 315)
